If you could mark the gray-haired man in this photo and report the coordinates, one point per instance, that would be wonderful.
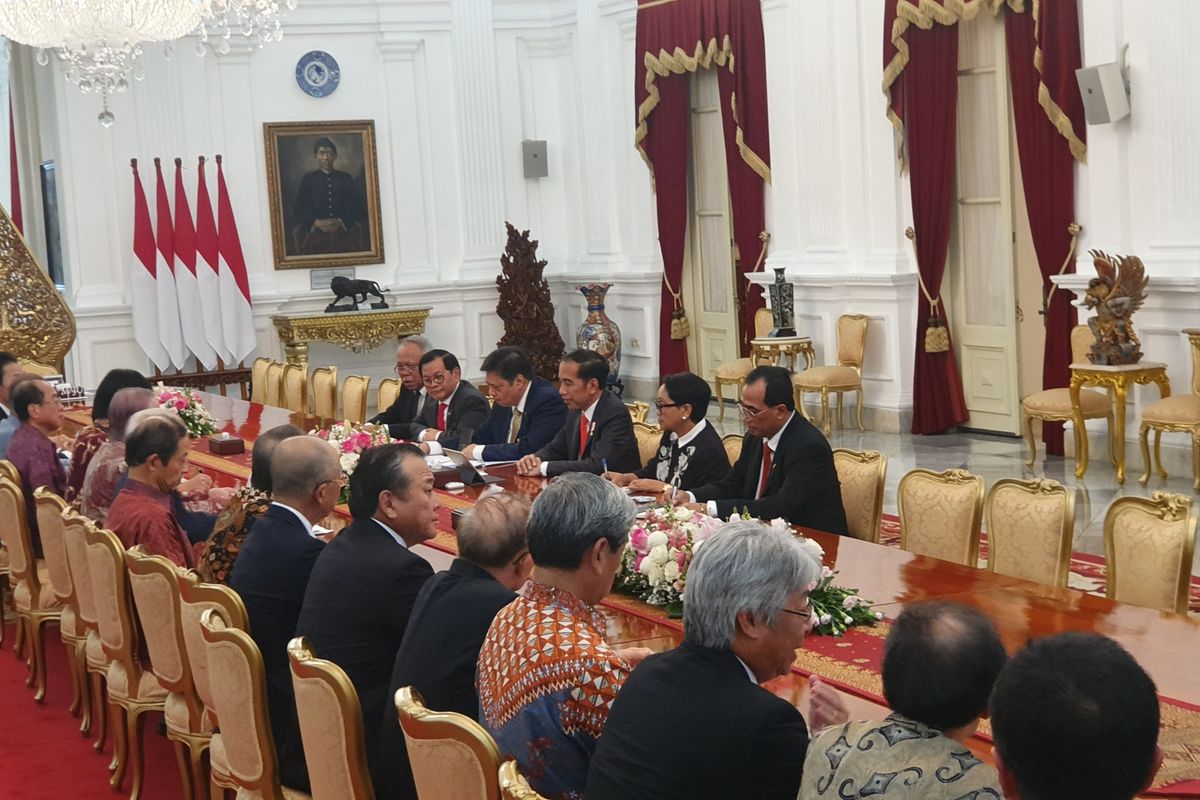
(412, 395)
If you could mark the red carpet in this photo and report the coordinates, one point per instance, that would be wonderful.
(43, 755)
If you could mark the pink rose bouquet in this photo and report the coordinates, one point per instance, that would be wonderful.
(194, 415)
(350, 440)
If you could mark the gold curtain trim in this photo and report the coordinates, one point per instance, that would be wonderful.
(1056, 115)
(678, 62)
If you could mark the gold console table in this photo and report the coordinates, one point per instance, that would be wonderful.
(356, 331)
(1118, 378)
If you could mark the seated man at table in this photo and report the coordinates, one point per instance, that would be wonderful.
(452, 614)
(1074, 715)
(694, 721)
(365, 584)
(546, 676)
(412, 396)
(10, 366)
(272, 572)
(940, 662)
(455, 410)
(526, 410)
(156, 450)
(32, 451)
(106, 473)
(598, 434)
(786, 467)
(10, 374)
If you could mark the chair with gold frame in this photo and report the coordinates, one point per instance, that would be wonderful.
(33, 594)
(845, 376)
(354, 398)
(513, 785)
(274, 383)
(10, 472)
(638, 410)
(94, 665)
(941, 514)
(453, 757)
(258, 380)
(1030, 526)
(1054, 405)
(295, 388)
(861, 474)
(733, 373)
(324, 382)
(647, 436)
(50, 508)
(331, 725)
(386, 394)
(1149, 545)
(732, 442)
(1179, 413)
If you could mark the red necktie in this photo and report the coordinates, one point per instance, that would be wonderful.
(583, 434)
(766, 470)
(441, 417)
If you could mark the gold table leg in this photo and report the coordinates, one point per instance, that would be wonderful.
(1120, 392)
(1081, 442)
(296, 353)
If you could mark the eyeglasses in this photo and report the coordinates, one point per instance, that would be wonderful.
(806, 613)
(435, 380)
(658, 404)
(750, 413)
(340, 480)
(401, 369)
(517, 560)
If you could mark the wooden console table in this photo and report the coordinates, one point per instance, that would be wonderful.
(1119, 378)
(357, 331)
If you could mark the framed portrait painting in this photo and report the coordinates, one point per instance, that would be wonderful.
(323, 185)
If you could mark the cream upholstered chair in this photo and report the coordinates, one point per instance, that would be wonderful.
(648, 436)
(638, 410)
(453, 757)
(733, 446)
(242, 753)
(861, 474)
(95, 665)
(1178, 413)
(513, 785)
(324, 382)
(274, 383)
(1030, 526)
(331, 726)
(354, 398)
(940, 514)
(389, 390)
(258, 380)
(156, 596)
(845, 376)
(1054, 405)
(33, 594)
(50, 508)
(733, 373)
(132, 688)
(1149, 545)
(295, 388)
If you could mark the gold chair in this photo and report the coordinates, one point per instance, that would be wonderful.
(486, 391)
(132, 688)
(50, 508)
(32, 591)
(331, 726)
(1030, 525)
(845, 376)
(1054, 405)
(453, 757)
(513, 785)
(389, 390)
(258, 380)
(295, 388)
(242, 752)
(1178, 413)
(638, 410)
(155, 588)
(648, 437)
(861, 474)
(10, 472)
(1149, 545)
(733, 446)
(275, 384)
(325, 392)
(734, 372)
(941, 513)
(95, 665)
(354, 398)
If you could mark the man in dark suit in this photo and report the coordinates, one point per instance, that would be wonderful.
(786, 467)
(272, 572)
(412, 397)
(694, 721)
(455, 408)
(364, 585)
(598, 434)
(452, 615)
(527, 410)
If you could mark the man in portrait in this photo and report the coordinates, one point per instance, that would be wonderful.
(330, 210)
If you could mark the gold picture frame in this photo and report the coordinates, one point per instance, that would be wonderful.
(323, 186)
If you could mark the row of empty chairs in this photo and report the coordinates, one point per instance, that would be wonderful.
(290, 386)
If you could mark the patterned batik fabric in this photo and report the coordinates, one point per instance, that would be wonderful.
(220, 551)
(894, 759)
(547, 680)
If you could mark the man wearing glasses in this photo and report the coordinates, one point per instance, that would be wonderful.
(454, 410)
(412, 398)
(786, 467)
(32, 451)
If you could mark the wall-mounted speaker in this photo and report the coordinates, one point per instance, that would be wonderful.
(533, 152)
(1105, 98)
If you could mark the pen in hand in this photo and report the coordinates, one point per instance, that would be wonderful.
(604, 467)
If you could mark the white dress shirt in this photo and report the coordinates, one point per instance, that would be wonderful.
(435, 448)
(772, 443)
(749, 672)
(520, 407)
(308, 526)
(392, 533)
(587, 414)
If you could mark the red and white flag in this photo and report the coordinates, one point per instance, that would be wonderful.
(236, 310)
(142, 283)
(207, 266)
(169, 330)
(187, 285)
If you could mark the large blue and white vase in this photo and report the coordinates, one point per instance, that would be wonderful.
(598, 332)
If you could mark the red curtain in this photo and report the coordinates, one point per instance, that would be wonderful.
(674, 39)
(1048, 166)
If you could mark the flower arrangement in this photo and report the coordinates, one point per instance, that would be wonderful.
(664, 540)
(192, 413)
(350, 440)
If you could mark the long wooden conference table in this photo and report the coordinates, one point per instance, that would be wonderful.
(1167, 645)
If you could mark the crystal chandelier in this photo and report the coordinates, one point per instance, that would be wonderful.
(256, 20)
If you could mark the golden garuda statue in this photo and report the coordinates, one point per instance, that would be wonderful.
(35, 322)
(1118, 290)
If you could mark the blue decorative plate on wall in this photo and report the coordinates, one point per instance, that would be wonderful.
(318, 73)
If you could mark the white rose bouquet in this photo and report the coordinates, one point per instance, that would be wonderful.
(191, 412)
(350, 440)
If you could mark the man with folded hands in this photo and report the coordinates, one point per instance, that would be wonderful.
(526, 412)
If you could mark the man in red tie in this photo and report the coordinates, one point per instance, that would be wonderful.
(457, 407)
(786, 467)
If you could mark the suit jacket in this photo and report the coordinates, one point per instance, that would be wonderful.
(438, 656)
(702, 460)
(660, 744)
(359, 600)
(271, 574)
(611, 441)
(544, 415)
(468, 409)
(802, 486)
(401, 412)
